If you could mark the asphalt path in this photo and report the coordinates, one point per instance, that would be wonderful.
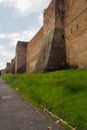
(18, 114)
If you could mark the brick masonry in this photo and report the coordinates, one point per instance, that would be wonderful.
(61, 41)
(13, 66)
(76, 32)
(20, 59)
(33, 50)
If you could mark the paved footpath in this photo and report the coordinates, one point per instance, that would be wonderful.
(18, 114)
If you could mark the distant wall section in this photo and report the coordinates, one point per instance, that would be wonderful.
(12, 66)
(8, 68)
(20, 60)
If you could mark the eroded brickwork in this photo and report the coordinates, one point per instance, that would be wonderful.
(53, 52)
(20, 60)
(76, 32)
(61, 41)
(49, 19)
(33, 50)
(8, 68)
(13, 66)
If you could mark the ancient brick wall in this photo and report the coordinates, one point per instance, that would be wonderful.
(3, 71)
(64, 37)
(8, 68)
(61, 40)
(53, 52)
(20, 61)
(12, 66)
(59, 13)
(33, 50)
(49, 18)
(76, 32)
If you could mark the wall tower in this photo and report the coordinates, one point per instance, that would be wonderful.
(53, 54)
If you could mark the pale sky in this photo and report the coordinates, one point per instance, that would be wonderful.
(19, 21)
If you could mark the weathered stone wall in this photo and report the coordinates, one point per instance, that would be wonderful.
(20, 60)
(76, 32)
(33, 50)
(49, 19)
(61, 40)
(8, 68)
(59, 13)
(53, 53)
(3, 71)
(44, 53)
(12, 66)
(54, 16)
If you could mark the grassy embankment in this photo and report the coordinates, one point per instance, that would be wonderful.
(63, 93)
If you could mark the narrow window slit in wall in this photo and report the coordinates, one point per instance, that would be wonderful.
(62, 37)
(71, 30)
(77, 26)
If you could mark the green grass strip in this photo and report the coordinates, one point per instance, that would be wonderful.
(62, 92)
